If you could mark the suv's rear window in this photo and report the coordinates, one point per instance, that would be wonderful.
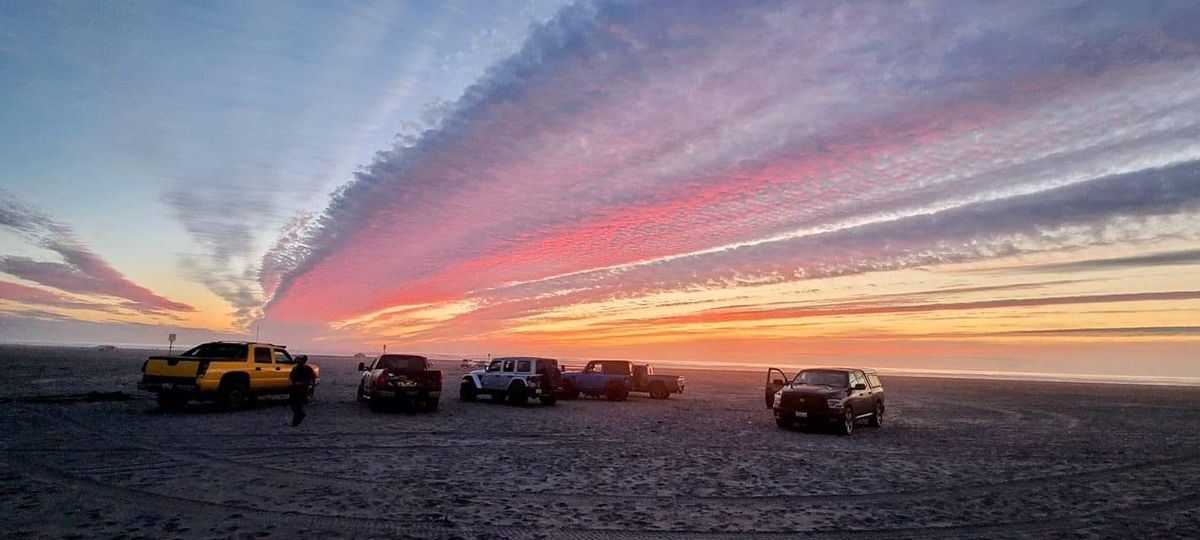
(218, 351)
(837, 379)
(401, 362)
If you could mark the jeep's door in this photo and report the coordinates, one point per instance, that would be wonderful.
(506, 374)
(498, 380)
(588, 380)
(776, 380)
(490, 378)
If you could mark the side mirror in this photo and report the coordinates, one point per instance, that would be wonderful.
(778, 382)
(362, 366)
(301, 358)
(860, 386)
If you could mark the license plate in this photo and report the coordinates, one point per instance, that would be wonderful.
(168, 386)
(801, 415)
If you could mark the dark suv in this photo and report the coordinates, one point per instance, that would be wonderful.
(826, 396)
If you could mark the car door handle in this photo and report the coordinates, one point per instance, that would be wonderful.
(276, 369)
(257, 369)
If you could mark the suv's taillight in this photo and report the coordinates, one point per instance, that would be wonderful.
(201, 368)
(383, 379)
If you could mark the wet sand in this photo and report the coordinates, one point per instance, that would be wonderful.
(956, 458)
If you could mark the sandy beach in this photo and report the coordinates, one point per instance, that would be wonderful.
(957, 458)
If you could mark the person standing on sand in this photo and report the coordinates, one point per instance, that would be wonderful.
(302, 378)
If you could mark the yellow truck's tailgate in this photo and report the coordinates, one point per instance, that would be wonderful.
(171, 367)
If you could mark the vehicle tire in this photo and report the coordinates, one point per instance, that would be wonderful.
(517, 395)
(616, 392)
(846, 426)
(569, 390)
(877, 418)
(431, 404)
(548, 399)
(784, 423)
(233, 395)
(659, 391)
(361, 395)
(171, 401)
(467, 392)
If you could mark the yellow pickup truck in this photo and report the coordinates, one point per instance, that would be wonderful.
(231, 372)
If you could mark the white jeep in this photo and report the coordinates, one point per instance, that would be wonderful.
(517, 379)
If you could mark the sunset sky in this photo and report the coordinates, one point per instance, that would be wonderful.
(944, 185)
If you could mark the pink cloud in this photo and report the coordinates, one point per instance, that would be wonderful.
(648, 148)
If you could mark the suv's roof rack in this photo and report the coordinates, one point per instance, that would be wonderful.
(251, 343)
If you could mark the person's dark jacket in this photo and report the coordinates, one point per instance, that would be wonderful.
(302, 376)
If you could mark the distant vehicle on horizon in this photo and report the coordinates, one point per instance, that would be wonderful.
(826, 396)
(400, 379)
(232, 373)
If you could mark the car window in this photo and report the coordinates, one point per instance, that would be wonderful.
(262, 355)
(401, 362)
(508, 366)
(836, 379)
(874, 380)
(218, 351)
(494, 366)
(856, 378)
(523, 366)
(616, 368)
(282, 357)
(592, 368)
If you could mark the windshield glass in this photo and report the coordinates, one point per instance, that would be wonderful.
(218, 351)
(822, 378)
(399, 362)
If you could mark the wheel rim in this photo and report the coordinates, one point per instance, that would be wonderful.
(849, 421)
(879, 414)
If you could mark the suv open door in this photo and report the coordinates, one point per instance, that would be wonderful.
(776, 380)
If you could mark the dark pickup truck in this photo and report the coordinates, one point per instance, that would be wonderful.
(400, 379)
(658, 386)
(826, 396)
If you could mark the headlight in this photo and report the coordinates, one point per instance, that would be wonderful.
(834, 403)
(778, 398)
